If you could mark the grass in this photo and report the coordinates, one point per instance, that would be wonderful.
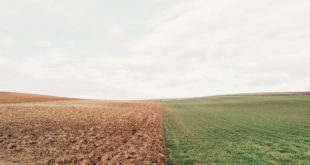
(238, 130)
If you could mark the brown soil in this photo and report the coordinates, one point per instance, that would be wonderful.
(8, 97)
(82, 132)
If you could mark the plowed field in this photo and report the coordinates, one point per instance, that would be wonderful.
(82, 132)
(9, 97)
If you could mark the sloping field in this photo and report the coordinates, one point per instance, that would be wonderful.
(82, 132)
(9, 97)
(239, 130)
(274, 94)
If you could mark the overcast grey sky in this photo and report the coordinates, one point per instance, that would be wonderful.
(141, 49)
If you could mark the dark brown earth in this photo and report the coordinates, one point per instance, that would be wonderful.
(82, 132)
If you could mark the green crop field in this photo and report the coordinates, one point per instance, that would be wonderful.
(238, 130)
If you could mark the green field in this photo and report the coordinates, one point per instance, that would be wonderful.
(238, 130)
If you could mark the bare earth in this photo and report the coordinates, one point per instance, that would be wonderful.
(81, 132)
(9, 97)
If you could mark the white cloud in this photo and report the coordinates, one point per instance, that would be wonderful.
(115, 32)
(6, 42)
(247, 42)
(44, 43)
(192, 48)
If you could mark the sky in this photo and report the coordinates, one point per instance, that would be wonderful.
(137, 49)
